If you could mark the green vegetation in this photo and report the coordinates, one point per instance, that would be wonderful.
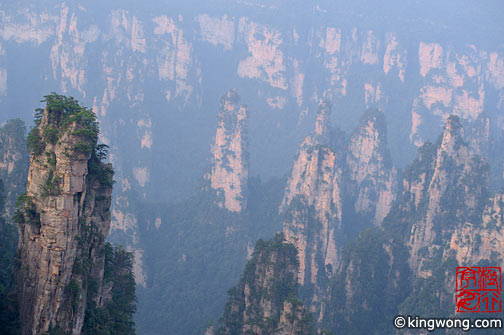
(73, 293)
(107, 311)
(13, 149)
(12, 182)
(51, 185)
(64, 123)
(63, 119)
(26, 212)
(51, 159)
(97, 168)
(34, 142)
(116, 316)
(269, 280)
(50, 135)
(375, 269)
(62, 114)
(401, 217)
(110, 310)
(9, 320)
(204, 250)
(429, 297)
(371, 285)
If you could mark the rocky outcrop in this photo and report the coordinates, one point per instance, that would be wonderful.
(450, 193)
(314, 197)
(333, 178)
(474, 242)
(447, 219)
(264, 302)
(13, 162)
(229, 173)
(370, 168)
(443, 218)
(372, 281)
(64, 218)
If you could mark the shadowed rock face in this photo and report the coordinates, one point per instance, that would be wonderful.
(13, 162)
(264, 302)
(229, 173)
(63, 222)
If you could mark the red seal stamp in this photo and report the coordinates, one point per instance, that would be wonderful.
(478, 289)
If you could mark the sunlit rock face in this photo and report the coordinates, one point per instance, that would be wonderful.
(445, 216)
(445, 211)
(65, 219)
(334, 176)
(229, 173)
(473, 243)
(370, 168)
(314, 193)
(448, 193)
(462, 82)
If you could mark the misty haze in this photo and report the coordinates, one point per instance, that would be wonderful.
(236, 167)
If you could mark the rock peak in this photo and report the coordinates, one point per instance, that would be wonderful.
(63, 218)
(453, 124)
(323, 121)
(369, 164)
(376, 118)
(265, 300)
(229, 173)
(452, 137)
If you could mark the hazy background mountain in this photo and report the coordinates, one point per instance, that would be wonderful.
(154, 73)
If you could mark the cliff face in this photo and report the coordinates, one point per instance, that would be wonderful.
(370, 168)
(449, 219)
(8, 243)
(334, 178)
(314, 194)
(373, 280)
(13, 162)
(264, 302)
(287, 66)
(229, 175)
(109, 55)
(473, 242)
(451, 192)
(64, 218)
(443, 218)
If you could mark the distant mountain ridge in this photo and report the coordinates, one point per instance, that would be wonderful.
(153, 76)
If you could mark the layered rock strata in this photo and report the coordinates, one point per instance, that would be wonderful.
(335, 177)
(229, 175)
(64, 218)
